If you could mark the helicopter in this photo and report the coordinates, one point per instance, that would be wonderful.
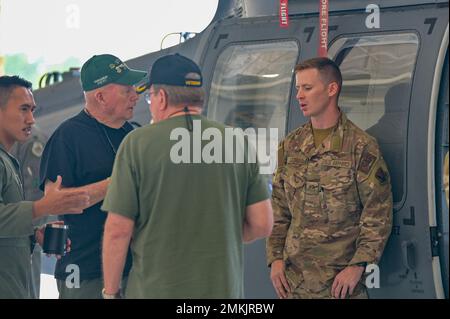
(393, 55)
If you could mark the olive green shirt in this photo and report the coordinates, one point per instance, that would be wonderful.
(321, 134)
(187, 240)
(15, 230)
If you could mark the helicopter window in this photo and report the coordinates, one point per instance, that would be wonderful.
(377, 73)
(251, 89)
(251, 85)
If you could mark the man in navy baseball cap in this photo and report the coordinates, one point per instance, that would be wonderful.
(176, 70)
(173, 70)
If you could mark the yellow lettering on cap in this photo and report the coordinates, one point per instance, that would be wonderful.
(193, 83)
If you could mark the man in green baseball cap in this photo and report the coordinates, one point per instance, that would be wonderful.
(104, 69)
(82, 150)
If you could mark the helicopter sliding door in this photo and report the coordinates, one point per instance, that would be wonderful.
(387, 91)
(250, 76)
(441, 231)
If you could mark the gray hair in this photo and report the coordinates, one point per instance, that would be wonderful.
(177, 95)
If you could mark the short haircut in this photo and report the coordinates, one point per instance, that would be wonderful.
(177, 95)
(8, 84)
(327, 68)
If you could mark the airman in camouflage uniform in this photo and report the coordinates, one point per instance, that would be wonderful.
(332, 209)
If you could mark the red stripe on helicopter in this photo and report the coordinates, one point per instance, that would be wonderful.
(284, 14)
(323, 28)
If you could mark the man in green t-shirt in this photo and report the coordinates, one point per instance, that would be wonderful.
(187, 210)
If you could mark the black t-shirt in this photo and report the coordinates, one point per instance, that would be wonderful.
(82, 151)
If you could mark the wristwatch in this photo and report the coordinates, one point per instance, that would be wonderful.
(117, 295)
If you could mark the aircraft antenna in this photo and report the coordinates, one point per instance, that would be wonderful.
(183, 37)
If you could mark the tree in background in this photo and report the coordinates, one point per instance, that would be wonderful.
(17, 64)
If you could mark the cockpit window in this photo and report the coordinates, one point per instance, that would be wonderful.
(377, 73)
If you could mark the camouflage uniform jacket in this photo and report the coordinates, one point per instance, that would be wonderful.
(332, 204)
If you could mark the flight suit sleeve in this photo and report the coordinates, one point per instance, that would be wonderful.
(374, 190)
(15, 218)
(282, 215)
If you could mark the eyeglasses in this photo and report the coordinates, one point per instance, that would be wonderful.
(147, 97)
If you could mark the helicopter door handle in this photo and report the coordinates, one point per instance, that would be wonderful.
(409, 254)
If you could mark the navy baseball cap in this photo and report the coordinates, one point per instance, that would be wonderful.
(104, 69)
(175, 70)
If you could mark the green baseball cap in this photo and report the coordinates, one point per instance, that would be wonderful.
(104, 69)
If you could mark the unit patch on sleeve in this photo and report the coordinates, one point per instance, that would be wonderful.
(367, 162)
(381, 176)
